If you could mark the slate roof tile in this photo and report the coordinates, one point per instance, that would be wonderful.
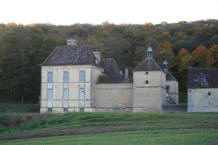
(70, 55)
(202, 78)
(111, 72)
(148, 64)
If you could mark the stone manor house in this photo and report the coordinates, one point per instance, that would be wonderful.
(75, 79)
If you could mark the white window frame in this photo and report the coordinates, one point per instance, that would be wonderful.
(66, 77)
(50, 77)
(81, 96)
(65, 94)
(81, 74)
(48, 97)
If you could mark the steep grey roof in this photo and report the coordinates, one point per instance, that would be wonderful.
(70, 55)
(202, 78)
(111, 67)
(169, 76)
(111, 71)
(148, 64)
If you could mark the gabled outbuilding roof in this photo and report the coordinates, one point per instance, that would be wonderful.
(111, 72)
(70, 55)
(202, 78)
(169, 76)
(148, 64)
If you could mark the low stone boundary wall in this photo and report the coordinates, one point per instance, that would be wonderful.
(175, 108)
(113, 109)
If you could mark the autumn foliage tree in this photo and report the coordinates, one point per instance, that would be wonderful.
(165, 51)
(214, 54)
(183, 59)
(201, 57)
(183, 62)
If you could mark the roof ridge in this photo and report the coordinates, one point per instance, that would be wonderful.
(49, 55)
(201, 68)
(148, 64)
(169, 76)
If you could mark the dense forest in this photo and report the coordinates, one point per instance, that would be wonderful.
(24, 47)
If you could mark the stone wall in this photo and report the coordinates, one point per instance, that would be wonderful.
(173, 90)
(148, 97)
(175, 108)
(203, 100)
(113, 97)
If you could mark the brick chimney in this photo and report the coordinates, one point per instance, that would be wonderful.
(126, 78)
(71, 42)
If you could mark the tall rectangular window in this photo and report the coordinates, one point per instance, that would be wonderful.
(81, 94)
(82, 76)
(50, 94)
(66, 76)
(65, 93)
(50, 77)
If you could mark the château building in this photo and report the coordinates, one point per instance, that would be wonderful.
(75, 79)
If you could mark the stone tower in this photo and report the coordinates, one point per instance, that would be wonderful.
(149, 83)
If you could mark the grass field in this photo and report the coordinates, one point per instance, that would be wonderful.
(154, 137)
(111, 128)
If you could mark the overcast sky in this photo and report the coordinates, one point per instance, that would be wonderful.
(65, 12)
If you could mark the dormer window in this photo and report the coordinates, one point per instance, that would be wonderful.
(96, 61)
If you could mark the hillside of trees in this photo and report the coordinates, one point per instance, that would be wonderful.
(24, 47)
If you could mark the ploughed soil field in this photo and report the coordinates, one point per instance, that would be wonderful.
(109, 128)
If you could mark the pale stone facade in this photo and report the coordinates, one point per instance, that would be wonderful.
(113, 97)
(203, 100)
(72, 102)
(73, 79)
(148, 97)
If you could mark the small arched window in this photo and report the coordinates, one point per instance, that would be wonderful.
(146, 82)
(209, 93)
(146, 73)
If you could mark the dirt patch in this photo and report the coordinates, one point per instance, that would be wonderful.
(73, 131)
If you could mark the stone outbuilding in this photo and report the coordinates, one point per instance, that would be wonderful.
(75, 79)
(202, 90)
